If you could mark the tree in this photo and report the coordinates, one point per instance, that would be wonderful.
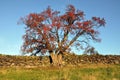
(91, 51)
(55, 33)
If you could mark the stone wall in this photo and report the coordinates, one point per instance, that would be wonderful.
(7, 60)
(92, 59)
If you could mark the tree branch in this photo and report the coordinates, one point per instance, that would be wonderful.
(73, 40)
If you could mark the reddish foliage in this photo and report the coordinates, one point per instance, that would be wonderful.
(49, 11)
(45, 29)
(87, 23)
(100, 21)
(71, 8)
(71, 14)
(92, 31)
(50, 31)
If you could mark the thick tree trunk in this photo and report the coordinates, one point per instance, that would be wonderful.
(56, 59)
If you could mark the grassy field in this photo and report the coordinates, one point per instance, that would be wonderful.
(82, 72)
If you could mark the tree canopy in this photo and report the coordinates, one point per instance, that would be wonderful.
(51, 31)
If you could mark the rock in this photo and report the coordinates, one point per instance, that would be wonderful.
(116, 62)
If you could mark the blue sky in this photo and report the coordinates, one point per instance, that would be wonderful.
(11, 11)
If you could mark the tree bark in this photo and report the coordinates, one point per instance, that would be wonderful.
(56, 59)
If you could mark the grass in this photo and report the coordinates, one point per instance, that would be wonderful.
(82, 72)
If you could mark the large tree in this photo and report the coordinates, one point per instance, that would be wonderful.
(55, 33)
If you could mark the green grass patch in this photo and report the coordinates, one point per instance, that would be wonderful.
(84, 72)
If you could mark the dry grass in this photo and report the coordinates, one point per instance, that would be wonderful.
(70, 72)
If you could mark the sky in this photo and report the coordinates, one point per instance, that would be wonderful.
(12, 10)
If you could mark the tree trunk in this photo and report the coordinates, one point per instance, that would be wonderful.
(56, 59)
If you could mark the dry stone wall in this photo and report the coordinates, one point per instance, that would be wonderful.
(92, 59)
(7, 60)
